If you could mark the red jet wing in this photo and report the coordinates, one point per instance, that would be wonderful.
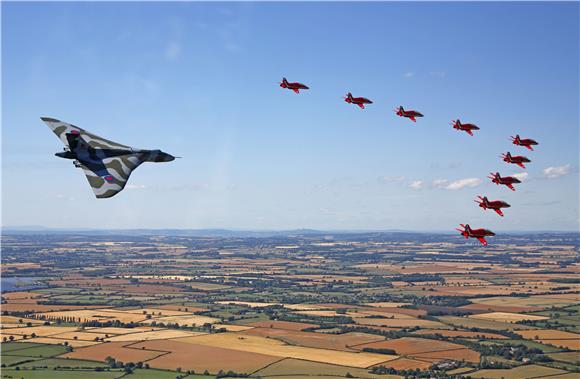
(482, 240)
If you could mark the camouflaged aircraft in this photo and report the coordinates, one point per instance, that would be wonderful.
(106, 164)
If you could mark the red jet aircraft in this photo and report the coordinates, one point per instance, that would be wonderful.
(517, 159)
(480, 234)
(360, 101)
(468, 128)
(294, 86)
(507, 181)
(496, 205)
(526, 142)
(401, 112)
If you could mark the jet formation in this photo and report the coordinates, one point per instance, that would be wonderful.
(469, 128)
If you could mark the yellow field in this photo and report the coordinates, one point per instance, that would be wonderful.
(190, 320)
(250, 304)
(158, 312)
(303, 307)
(548, 334)
(155, 335)
(80, 335)
(40, 331)
(60, 341)
(232, 328)
(543, 301)
(507, 317)
(13, 320)
(115, 331)
(102, 315)
(398, 322)
(277, 348)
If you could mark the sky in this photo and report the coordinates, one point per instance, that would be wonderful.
(200, 81)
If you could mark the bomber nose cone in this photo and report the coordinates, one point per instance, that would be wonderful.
(164, 157)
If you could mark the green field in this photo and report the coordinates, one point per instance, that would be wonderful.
(38, 351)
(160, 374)
(63, 363)
(466, 322)
(572, 357)
(530, 344)
(13, 346)
(61, 374)
(10, 360)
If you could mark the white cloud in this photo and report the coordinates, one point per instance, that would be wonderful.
(522, 176)
(556, 172)
(416, 185)
(172, 50)
(457, 184)
(462, 183)
(440, 183)
(408, 75)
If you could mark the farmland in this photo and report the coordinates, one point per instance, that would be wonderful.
(377, 305)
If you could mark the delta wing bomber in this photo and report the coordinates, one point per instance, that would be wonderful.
(106, 164)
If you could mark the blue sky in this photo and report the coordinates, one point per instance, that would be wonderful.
(199, 80)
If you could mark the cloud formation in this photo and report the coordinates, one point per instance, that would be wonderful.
(456, 184)
(416, 185)
(558, 171)
(463, 183)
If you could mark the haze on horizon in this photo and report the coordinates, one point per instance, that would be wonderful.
(198, 80)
